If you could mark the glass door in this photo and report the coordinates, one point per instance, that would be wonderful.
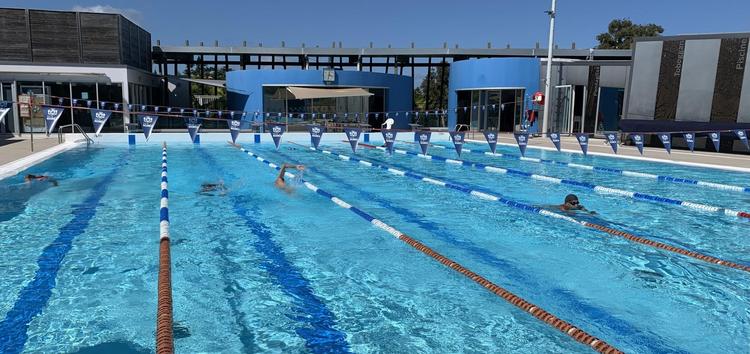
(562, 120)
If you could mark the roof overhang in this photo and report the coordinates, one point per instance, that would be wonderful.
(304, 93)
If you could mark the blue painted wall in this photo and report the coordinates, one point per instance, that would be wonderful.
(489, 73)
(245, 87)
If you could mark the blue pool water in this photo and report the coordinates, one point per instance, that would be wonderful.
(259, 270)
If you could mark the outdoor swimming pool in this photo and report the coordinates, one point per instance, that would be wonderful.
(260, 270)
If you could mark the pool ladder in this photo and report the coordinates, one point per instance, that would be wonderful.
(75, 127)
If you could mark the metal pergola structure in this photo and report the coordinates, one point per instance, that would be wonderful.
(387, 60)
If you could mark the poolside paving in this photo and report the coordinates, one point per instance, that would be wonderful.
(14, 148)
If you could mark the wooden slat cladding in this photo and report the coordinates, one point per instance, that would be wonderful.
(14, 35)
(100, 38)
(54, 37)
(136, 45)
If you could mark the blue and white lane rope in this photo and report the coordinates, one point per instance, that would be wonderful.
(661, 178)
(164, 315)
(559, 324)
(537, 210)
(596, 188)
(164, 204)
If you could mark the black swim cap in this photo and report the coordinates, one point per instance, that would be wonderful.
(570, 198)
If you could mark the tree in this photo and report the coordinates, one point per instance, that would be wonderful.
(621, 32)
(210, 73)
(436, 89)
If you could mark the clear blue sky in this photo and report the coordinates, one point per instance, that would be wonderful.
(468, 23)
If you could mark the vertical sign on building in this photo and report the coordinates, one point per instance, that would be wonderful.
(728, 85)
(668, 86)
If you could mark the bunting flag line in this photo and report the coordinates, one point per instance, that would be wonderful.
(583, 140)
(491, 137)
(666, 140)
(458, 141)
(193, 126)
(690, 140)
(424, 140)
(51, 116)
(555, 137)
(234, 129)
(612, 140)
(276, 130)
(147, 123)
(99, 117)
(638, 141)
(316, 133)
(352, 134)
(741, 134)
(522, 139)
(5, 107)
(715, 137)
(389, 135)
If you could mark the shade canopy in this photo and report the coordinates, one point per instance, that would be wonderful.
(303, 93)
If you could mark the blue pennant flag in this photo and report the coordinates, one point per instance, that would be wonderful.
(742, 135)
(465, 108)
(583, 140)
(148, 122)
(689, 140)
(352, 135)
(522, 139)
(193, 126)
(424, 140)
(389, 136)
(99, 117)
(715, 137)
(458, 141)
(666, 140)
(234, 129)
(555, 138)
(316, 132)
(491, 137)
(612, 140)
(51, 116)
(638, 141)
(277, 130)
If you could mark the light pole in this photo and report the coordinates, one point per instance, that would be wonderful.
(548, 79)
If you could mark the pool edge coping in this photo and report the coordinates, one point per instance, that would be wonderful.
(14, 167)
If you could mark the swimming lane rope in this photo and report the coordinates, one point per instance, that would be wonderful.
(536, 210)
(546, 317)
(164, 335)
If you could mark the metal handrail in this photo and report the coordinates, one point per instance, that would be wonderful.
(74, 126)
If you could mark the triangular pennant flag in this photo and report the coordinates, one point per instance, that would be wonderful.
(193, 125)
(424, 140)
(583, 140)
(352, 135)
(612, 140)
(666, 140)
(316, 132)
(277, 130)
(99, 117)
(51, 115)
(491, 137)
(689, 140)
(522, 139)
(458, 141)
(638, 141)
(715, 137)
(741, 134)
(5, 107)
(389, 136)
(555, 138)
(234, 129)
(465, 108)
(147, 123)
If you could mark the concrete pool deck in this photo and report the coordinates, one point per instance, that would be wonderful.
(16, 154)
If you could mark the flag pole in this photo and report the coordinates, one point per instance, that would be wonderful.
(548, 79)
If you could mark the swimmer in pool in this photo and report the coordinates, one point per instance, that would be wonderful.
(572, 204)
(31, 178)
(280, 182)
(209, 188)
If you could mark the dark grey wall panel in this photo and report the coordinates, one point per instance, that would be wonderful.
(592, 98)
(743, 111)
(645, 74)
(14, 35)
(100, 38)
(668, 86)
(54, 37)
(729, 75)
(698, 76)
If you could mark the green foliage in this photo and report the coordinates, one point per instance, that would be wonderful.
(420, 93)
(621, 32)
(209, 73)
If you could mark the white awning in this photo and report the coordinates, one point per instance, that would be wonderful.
(216, 83)
(303, 93)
